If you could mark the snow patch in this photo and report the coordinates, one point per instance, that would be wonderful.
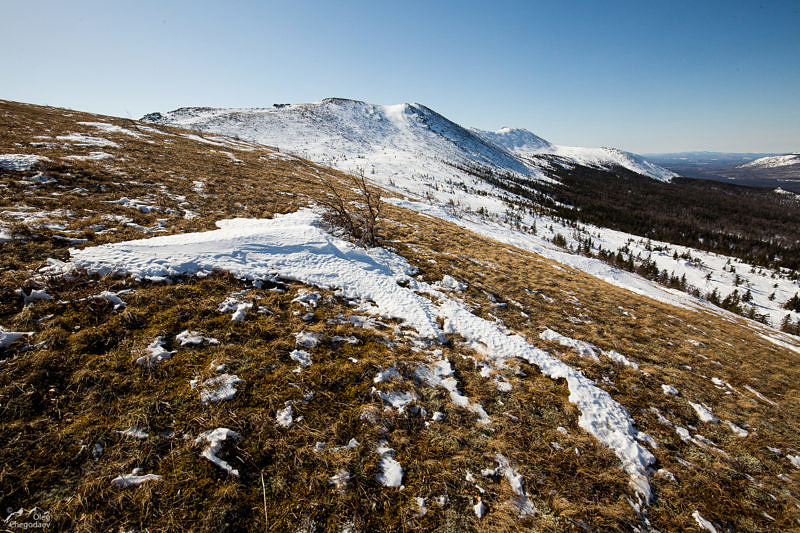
(219, 388)
(449, 282)
(704, 413)
(134, 479)
(112, 298)
(193, 338)
(440, 374)
(340, 479)
(85, 140)
(669, 390)
(284, 416)
(214, 439)
(307, 339)
(582, 348)
(302, 357)
(703, 523)
(391, 474)
(236, 306)
(20, 162)
(156, 354)
(8, 337)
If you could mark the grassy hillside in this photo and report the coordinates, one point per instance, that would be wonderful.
(77, 411)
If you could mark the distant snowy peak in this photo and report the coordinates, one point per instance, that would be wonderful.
(522, 142)
(608, 158)
(774, 161)
(515, 140)
(393, 141)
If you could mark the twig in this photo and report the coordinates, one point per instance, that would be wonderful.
(264, 492)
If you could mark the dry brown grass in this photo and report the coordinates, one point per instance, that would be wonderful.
(74, 383)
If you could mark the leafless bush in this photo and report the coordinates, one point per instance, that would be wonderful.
(355, 210)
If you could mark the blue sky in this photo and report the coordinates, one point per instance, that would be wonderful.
(644, 76)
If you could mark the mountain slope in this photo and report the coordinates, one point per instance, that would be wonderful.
(543, 192)
(773, 161)
(246, 369)
(525, 143)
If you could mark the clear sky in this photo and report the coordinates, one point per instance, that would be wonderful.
(645, 76)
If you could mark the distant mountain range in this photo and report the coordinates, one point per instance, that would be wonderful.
(753, 169)
(705, 158)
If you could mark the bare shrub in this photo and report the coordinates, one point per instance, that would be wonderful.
(355, 211)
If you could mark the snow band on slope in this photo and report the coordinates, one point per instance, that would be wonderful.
(292, 247)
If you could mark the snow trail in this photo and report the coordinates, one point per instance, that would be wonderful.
(293, 247)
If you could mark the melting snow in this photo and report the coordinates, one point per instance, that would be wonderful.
(308, 299)
(156, 354)
(239, 308)
(193, 338)
(340, 480)
(386, 375)
(112, 298)
(440, 374)
(398, 400)
(284, 416)
(391, 474)
(666, 474)
(480, 509)
(704, 413)
(34, 296)
(140, 205)
(669, 390)
(600, 415)
(292, 247)
(449, 282)
(92, 156)
(214, 438)
(307, 339)
(85, 140)
(621, 359)
(582, 348)
(302, 357)
(112, 128)
(219, 388)
(134, 432)
(522, 502)
(20, 162)
(760, 396)
(134, 479)
(739, 432)
(422, 509)
(703, 523)
(8, 337)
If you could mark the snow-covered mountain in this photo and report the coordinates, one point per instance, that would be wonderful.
(524, 143)
(397, 142)
(774, 161)
(515, 140)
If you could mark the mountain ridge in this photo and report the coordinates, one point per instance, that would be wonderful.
(364, 126)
